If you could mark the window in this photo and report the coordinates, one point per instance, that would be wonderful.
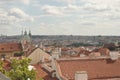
(2, 55)
(11, 48)
(2, 48)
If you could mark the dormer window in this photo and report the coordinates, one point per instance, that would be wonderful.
(11, 48)
(2, 48)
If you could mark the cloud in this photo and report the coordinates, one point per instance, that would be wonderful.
(101, 5)
(88, 24)
(68, 16)
(95, 7)
(19, 14)
(4, 19)
(52, 10)
(66, 1)
(14, 15)
(60, 10)
(27, 2)
(72, 7)
(104, 2)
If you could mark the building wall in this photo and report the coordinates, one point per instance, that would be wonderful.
(37, 55)
(9, 54)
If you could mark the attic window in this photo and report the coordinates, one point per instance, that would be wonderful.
(11, 48)
(2, 48)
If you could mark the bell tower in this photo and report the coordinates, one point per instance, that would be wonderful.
(30, 35)
(26, 39)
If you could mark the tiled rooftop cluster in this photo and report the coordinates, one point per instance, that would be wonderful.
(95, 68)
(64, 63)
(10, 47)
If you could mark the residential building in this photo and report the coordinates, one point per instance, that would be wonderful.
(9, 49)
(38, 55)
(88, 69)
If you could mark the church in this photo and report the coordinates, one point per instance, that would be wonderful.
(26, 40)
(9, 49)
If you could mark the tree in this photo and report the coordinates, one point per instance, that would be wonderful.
(1, 66)
(41, 79)
(19, 70)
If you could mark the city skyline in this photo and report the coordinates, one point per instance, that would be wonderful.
(60, 17)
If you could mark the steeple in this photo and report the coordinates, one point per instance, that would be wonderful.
(22, 32)
(26, 39)
(26, 36)
(30, 33)
(25, 33)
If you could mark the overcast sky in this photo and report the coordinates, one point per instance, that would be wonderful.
(60, 17)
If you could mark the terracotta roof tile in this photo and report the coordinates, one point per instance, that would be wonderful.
(100, 68)
(41, 73)
(104, 51)
(9, 47)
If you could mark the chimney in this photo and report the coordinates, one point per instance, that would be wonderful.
(81, 75)
(55, 53)
(114, 55)
(60, 51)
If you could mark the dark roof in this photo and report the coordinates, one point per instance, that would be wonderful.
(3, 77)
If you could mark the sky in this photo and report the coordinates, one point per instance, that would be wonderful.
(60, 17)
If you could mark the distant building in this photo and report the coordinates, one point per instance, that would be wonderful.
(26, 39)
(56, 53)
(9, 49)
(38, 55)
(42, 73)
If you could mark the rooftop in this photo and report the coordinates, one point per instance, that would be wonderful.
(41, 73)
(96, 68)
(10, 47)
(3, 77)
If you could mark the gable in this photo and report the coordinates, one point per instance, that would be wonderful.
(37, 55)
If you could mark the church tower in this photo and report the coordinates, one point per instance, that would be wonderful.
(30, 35)
(25, 33)
(26, 39)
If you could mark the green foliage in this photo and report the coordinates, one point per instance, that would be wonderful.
(41, 79)
(1, 66)
(19, 70)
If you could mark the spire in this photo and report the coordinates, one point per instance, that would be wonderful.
(30, 32)
(25, 33)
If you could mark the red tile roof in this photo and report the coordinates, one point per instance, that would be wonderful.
(41, 73)
(6, 64)
(104, 51)
(96, 69)
(10, 47)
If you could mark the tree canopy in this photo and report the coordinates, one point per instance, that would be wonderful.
(19, 70)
